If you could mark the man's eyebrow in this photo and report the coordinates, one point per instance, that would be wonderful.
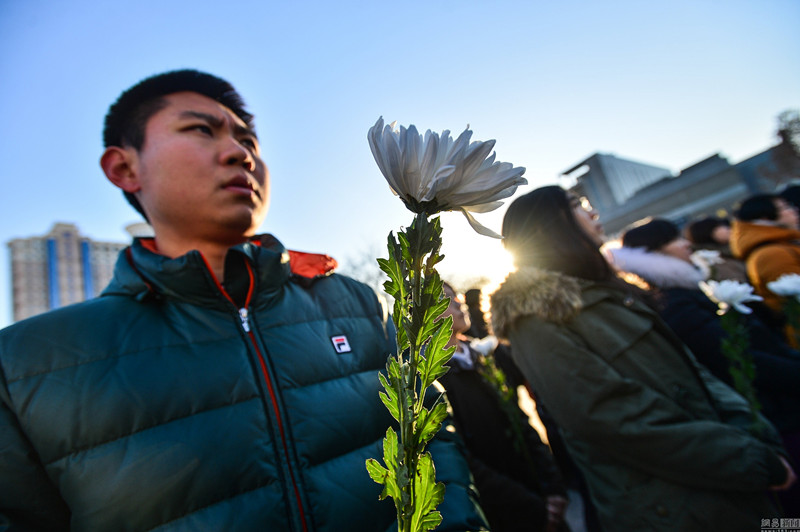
(217, 122)
(211, 119)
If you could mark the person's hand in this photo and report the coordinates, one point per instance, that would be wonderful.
(791, 478)
(556, 505)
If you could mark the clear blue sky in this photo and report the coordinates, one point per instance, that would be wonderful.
(668, 83)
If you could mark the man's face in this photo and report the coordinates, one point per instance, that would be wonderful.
(787, 214)
(457, 310)
(200, 172)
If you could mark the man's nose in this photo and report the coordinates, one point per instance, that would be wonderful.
(238, 154)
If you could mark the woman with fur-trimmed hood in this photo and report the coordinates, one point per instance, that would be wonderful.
(662, 443)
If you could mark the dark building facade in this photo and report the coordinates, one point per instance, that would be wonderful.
(624, 192)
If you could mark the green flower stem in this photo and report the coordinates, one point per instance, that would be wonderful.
(791, 308)
(736, 348)
(509, 400)
(409, 475)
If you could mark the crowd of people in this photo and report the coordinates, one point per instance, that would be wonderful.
(224, 382)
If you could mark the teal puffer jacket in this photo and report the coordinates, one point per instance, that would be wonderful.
(171, 403)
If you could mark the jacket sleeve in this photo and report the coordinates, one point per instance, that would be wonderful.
(770, 262)
(28, 499)
(633, 424)
(734, 410)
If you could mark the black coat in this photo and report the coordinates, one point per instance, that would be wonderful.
(512, 487)
(693, 318)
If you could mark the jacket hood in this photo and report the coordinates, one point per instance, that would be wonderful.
(548, 295)
(746, 236)
(658, 269)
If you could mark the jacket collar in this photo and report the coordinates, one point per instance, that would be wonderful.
(548, 295)
(658, 269)
(262, 264)
(747, 236)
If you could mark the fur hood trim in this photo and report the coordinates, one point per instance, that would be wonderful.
(658, 269)
(548, 295)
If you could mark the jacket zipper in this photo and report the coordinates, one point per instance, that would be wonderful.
(244, 318)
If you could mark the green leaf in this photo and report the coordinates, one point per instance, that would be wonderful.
(410, 333)
(406, 402)
(434, 364)
(404, 255)
(388, 477)
(424, 320)
(398, 318)
(429, 235)
(377, 472)
(432, 306)
(390, 456)
(429, 495)
(429, 422)
(395, 268)
(390, 398)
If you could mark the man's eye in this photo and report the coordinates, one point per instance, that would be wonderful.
(202, 128)
(249, 142)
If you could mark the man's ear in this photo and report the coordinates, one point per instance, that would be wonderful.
(119, 166)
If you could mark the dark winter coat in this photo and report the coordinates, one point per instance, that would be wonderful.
(693, 317)
(513, 476)
(662, 443)
(174, 402)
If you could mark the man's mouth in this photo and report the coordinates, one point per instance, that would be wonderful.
(241, 185)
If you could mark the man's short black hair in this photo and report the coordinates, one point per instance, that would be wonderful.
(759, 207)
(652, 235)
(702, 231)
(127, 118)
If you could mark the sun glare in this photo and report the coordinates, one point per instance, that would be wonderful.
(473, 261)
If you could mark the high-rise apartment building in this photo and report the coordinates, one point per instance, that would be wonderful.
(57, 269)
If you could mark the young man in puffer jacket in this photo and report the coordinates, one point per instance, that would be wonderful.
(220, 382)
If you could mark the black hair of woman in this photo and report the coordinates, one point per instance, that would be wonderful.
(540, 229)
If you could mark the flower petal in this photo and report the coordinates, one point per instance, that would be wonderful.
(478, 227)
(442, 173)
(483, 207)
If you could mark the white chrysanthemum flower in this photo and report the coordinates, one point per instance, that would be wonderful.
(707, 257)
(434, 173)
(787, 285)
(485, 346)
(730, 294)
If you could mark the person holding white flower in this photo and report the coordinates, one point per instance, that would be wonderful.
(714, 234)
(519, 484)
(221, 382)
(662, 443)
